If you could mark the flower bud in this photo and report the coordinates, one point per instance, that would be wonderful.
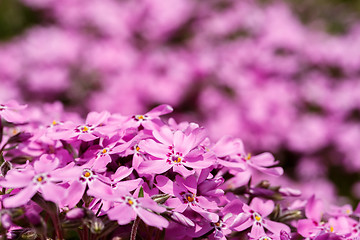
(160, 198)
(5, 167)
(289, 192)
(75, 213)
(19, 137)
(290, 215)
(5, 221)
(264, 184)
(29, 235)
(96, 226)
(284, 235)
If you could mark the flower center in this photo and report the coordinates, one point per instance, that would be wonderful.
(84, 128)
(140, 117)
(176, 159)
(104, 150)
(40, 179)
(189, 198)
(87, 173)
(130, 201)
(265, 238)
(87, 176)
(257, 217)
(137, 148)
(248, 156)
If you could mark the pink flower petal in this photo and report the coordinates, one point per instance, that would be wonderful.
(148, 203)
(16, 179)
(160, 110)
(165, 184)
(276, 227)
(74, 193)
(122, 213)
(155, 166)
(151, 219)
(261, 207)
(165, 136)
(153, 148)
(52, 192)
(264, 159)
(314, 209)
(21, 197)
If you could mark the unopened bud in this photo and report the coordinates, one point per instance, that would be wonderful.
(20, 137)
(290, 215)
(5, 221)
(75, 213)
(264, 184)
(96, 226)
(29, 235)
(160, 198)
(284, 235)
(5, 167)
(290, 192)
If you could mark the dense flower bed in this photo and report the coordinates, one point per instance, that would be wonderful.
(113, 175)
(243, 68)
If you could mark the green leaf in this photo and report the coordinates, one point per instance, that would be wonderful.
(141, 192)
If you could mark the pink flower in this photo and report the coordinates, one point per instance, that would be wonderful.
(127, 207)
(149, 119)
(313, 211)
(186, 195)
(240, 160)
(99, 156)
(255, 216)
(43, 177)
(86, 178)
(175, 150)
(91, 130)
(10, 111)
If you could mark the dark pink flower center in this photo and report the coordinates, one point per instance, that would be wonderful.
(40, 179)
(189, 198)
(87, 175)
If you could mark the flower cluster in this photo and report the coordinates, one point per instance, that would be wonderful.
(247, 69)
(114, 175)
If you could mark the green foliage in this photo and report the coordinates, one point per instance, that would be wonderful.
(15, 18)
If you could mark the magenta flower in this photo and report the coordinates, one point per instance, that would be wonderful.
(174, 150)
(127, 207)
(10, 111)
(149, 119)
(254, 216)
(263, 162)
(96, 183)
(314, 210)
(42, 177)
(186, 195)
(99, 156)
(93, 128)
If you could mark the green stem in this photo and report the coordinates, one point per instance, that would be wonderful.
(3, 147)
